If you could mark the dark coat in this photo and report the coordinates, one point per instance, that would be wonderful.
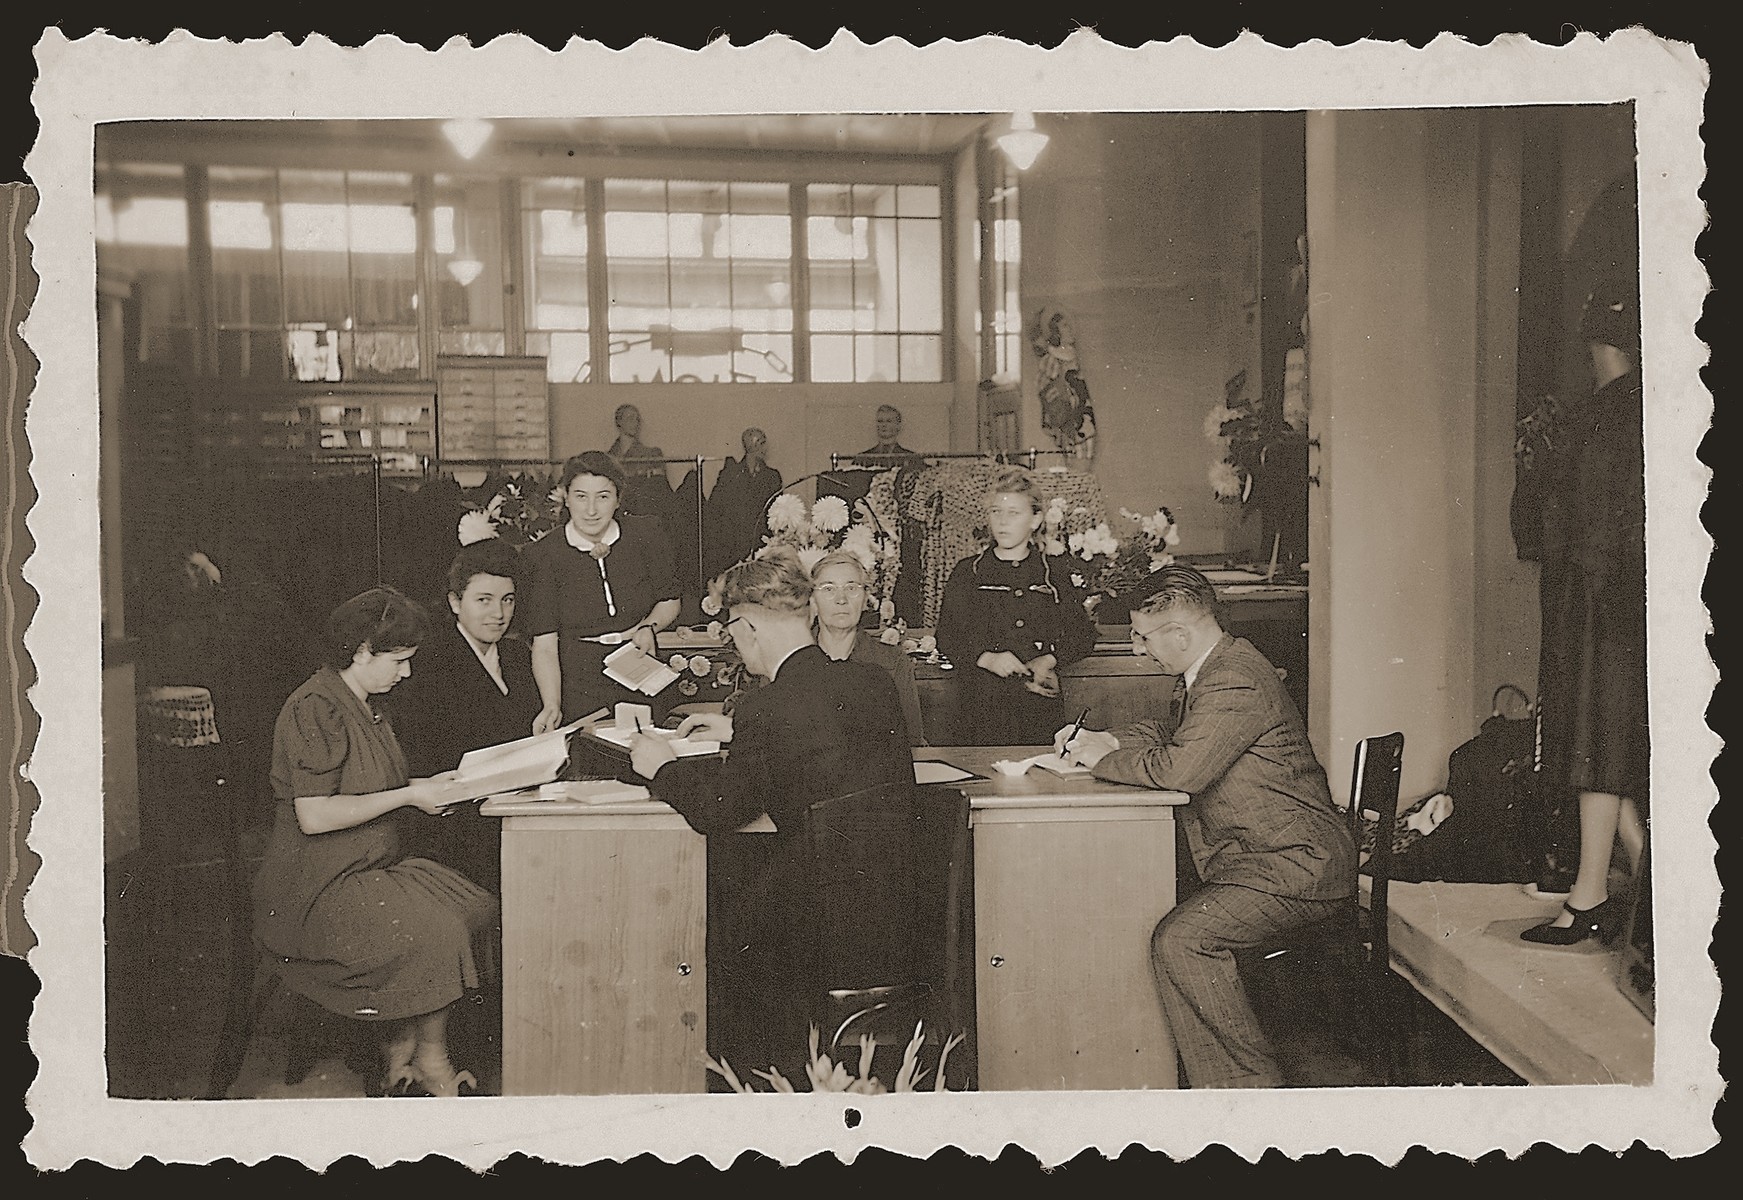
(449, 706)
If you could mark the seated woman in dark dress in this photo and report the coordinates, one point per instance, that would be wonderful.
(602, 580)
(354, 925)
(1009, 620)
(473, 687)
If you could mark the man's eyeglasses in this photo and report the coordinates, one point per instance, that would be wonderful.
(1141, 638)
(830, 591)
(726, 626)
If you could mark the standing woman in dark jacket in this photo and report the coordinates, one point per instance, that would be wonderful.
(1010, 619)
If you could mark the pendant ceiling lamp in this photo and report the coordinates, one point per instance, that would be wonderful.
(1024, 143)
(468, 134)
(465, 270)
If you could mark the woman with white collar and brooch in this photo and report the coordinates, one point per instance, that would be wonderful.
(602, 580)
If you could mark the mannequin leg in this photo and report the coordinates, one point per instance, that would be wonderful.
(1600, 818)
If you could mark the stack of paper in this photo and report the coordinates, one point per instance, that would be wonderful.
(682, 747)
(594, 791)
(638, 671)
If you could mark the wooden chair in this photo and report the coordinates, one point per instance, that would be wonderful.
(886, 870)
(1347, 959)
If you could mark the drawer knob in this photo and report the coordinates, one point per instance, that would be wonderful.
(997, 960)
(683, 968)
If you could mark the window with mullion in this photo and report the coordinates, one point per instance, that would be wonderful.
(876, 282)
(699, 278)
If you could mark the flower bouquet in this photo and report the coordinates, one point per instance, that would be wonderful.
(826, 1075)
(824, 527)
(1245, 430)
(1106, 563)
(512, 516)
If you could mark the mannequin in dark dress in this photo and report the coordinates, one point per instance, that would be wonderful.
(737, 504)
(1601, 695)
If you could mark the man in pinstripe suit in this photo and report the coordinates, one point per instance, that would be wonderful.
(1272, 850)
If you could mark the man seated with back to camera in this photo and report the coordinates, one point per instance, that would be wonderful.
(1272, 850)
(818, 729)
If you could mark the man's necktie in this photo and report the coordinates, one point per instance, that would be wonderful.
(1177, 701)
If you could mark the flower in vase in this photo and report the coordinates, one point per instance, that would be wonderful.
(1215, 419)
(786, 513)
(829, 514)
(1225, 480)
(860, 542)
(476, 526)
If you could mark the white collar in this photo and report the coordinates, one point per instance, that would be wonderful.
(488, 658)
(1191, 675)
(485, 653)
(784, 658)
(582, 543)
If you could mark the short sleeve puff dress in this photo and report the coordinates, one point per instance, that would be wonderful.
(355, 927)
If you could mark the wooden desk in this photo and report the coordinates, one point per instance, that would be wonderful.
(604, 927)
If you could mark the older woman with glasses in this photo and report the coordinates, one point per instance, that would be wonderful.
(839, 587)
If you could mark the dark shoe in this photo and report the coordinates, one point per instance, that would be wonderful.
(1602, 921)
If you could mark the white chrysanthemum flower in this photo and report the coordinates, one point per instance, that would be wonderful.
(891, 636)
(1225, 480)
(494, 508)
(677, 662)
(1158, 561)
(699, 667)
(829, 514)
(476, 527)
(1053, 546)
(1077, 579)
(887, 610)
(1215, 419)
(859, 542)
(787, 512)
(928, 644)
(810, 556)
(711, 607)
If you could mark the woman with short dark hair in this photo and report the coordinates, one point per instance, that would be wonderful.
(351, 923)
(605, 579)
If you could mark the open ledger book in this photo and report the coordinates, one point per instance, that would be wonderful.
(638, 670)
(510, 766)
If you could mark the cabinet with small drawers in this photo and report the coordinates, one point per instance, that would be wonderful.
(491, 407)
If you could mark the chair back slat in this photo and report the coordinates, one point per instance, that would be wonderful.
(1374, 797)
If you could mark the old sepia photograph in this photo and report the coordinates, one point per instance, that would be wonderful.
(1004, 600)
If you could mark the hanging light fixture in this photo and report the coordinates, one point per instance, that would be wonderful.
(465, 270)
(1024, 143)
(468, 134)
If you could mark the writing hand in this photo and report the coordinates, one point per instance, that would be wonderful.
(647, 754)
(1089, 747)
(714, 727)
(548, 719)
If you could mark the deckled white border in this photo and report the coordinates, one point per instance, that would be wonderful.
(100, 78)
